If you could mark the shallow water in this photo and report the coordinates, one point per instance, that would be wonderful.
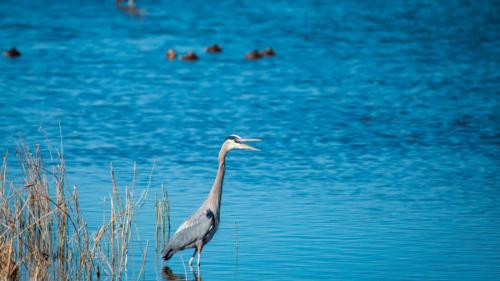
(380, 121)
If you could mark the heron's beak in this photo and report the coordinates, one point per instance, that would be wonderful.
(245, 146)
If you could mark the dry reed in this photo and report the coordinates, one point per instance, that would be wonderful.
(44, 236)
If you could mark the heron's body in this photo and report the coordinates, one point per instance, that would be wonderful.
(201, 226)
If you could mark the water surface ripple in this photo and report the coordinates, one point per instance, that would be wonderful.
(380, 121)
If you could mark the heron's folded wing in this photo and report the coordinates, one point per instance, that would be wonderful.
(195, 228)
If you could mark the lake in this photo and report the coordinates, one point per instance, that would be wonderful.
(380, 123)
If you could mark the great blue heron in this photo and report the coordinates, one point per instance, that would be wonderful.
(201, 226)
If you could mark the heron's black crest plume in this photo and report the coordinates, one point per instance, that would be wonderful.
(233, 137)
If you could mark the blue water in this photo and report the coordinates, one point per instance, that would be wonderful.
(380, 121)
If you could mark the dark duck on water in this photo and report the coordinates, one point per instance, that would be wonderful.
(12, 53)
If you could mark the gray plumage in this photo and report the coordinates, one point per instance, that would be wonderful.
(201, 226)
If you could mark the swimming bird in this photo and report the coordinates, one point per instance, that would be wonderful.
(253, 55)
(130, 7)
(190, 56)
(171, 54)
(213, 49)
(268, 52)
(201, 226)
(12, 53)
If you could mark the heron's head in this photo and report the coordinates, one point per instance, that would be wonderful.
(237, 142)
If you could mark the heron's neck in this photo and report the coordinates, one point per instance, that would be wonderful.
(214, 198)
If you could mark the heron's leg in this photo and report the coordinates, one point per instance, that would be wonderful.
(199, 247)
(192, 257)
(198, 276)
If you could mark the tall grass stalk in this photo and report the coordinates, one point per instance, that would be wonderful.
(162, 220)
(43, 233)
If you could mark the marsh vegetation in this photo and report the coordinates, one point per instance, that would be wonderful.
(45, 236)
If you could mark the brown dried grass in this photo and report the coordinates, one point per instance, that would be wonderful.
(43, 235)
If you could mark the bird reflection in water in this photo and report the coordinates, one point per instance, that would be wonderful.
(169, 275)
